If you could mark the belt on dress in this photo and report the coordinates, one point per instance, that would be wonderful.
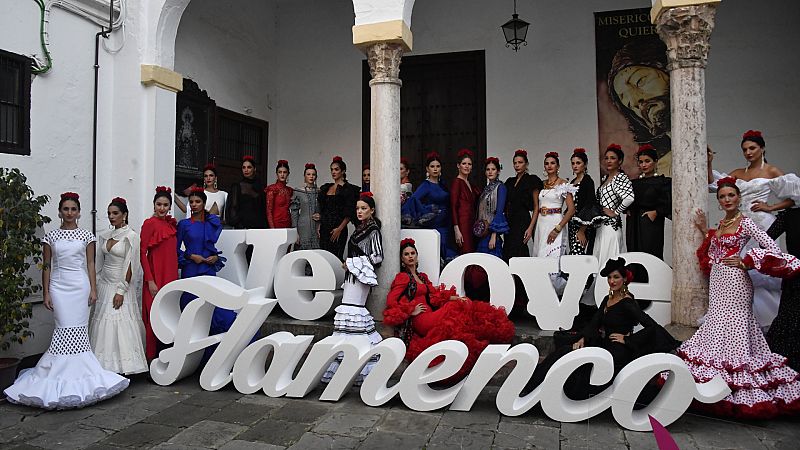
(546, 211)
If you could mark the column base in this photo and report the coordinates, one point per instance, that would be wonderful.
(689, 304)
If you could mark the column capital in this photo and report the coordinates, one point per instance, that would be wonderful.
(384, 62)
(687, 30)
(152, 75)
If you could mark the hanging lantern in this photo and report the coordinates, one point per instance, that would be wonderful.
(515, 30)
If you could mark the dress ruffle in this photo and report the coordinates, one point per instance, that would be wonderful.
(786, 187)
(163, 229)
(361, 268)
(774, 264)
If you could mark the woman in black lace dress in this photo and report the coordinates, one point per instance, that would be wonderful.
(337, 208)
(246, 206)
(651, 205)
(782, 336)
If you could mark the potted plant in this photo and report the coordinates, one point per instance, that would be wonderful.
(20, 216)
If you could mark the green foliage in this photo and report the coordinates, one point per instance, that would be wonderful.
(19, 248)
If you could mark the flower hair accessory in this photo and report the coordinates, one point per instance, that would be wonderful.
(248, 158)
(727, 180)
(337, 159)
(644, 148)
(70, 196)
(209, 166)
(119, 200)
(579, 150)
(407, 241)
(464, 152)
(432, 155)
(551, 155)
(404, 161)
(166, 189)
(366, 194)
(492, 159)
(628, 276)
(311, 166)
(196, 189)
(283, 162)
(614, 147)
(521, 152)
(752, 134)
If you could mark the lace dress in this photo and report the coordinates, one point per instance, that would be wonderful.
(68, 375)
(729, 343)
(279, 196)
(117, 335)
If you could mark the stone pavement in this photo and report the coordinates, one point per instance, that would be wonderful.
(183, 416)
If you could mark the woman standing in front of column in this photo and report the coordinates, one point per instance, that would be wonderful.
(519, 204)
(159, 260)
(463, 197)
(305, 210)
(246, 207)
(614, 195)
(337, 202)
(116, 331)
(587, 210)
(68, 375)
(491, 221)
(279, 196)
(651, 206)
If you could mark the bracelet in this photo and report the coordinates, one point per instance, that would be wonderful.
(557, 228)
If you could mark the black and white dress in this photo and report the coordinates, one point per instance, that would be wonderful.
(586, 209)
(617, 195)
(352, 319)
(68, 375)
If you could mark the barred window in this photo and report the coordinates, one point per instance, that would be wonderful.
(15, 103)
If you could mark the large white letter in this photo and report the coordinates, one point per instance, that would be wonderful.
(658, 288)
(268, 247)
(414, 389)
(233, 245)
(555, 402)
(250, 373)
(501, 283)
(308, 297)
(427, 243)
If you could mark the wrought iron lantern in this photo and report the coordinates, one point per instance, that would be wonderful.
(515, 30)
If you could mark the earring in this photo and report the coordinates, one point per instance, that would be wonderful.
(110, 227)
(215, 184)
(763, 158)
(610, 292)
(624, 289)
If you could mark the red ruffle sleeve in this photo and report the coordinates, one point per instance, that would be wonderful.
(441, 294)
(702, 252)
(398, 307)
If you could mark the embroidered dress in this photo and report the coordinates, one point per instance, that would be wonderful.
(117, 335)
(429, 207)
(766, 289)
(586, 210)
(519, 204)
(68, 375)
(304, 205)
(352, 319)
(729, 343)
(617, 195)
(491, 207)
(279, 196)
(160, 265)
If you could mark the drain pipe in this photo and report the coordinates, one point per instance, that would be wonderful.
(104, 33)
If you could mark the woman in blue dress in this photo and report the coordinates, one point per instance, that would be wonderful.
(198, 235)
(491, 222)
(428, 206)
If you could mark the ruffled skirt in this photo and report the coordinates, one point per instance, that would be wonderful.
(117, 335)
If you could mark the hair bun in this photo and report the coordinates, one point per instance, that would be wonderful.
(407, 241)
(282, 161)
(644, 148)
(614, 147)
(70, 196)
(579, 150)
(752, 134)
(492, 159)
(551, 155)
(210, 166)
(196, 189)
(520, 152)
(464, 152)
(311, 166)
(432, 155)
(727, 180)
(166, 189)
(119, 200)
(366, 194)
(404, 161)
(249, 158)
(337, 158)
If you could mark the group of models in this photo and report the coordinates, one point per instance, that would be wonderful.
(560, 216)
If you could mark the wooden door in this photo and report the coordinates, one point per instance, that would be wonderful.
(442, 109)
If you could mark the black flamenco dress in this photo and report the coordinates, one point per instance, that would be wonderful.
(783, 337)
(620, 318)
(333, 210)
(586, 211)
(650, 194)
(246, 206)
(519, 204)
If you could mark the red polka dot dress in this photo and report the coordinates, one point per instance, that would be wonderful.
(730, 343)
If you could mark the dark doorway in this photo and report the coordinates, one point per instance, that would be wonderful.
(442, 109)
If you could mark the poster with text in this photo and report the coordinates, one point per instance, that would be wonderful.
(632, 86)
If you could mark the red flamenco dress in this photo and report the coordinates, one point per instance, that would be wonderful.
(463, 198)
(476, 324)
(729, 343)
(159, 264)
(279, 196)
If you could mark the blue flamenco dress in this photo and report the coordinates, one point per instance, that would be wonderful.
(199, 237)
(428, 208)
(491, 205)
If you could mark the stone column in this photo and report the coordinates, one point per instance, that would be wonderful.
(384, 66)
(686, 31)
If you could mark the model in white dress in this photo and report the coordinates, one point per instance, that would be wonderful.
(617, 195)
(68, 375)
(117, 335)
(551, 207)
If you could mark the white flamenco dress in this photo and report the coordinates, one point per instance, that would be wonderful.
(552, 199)
(117, 335)
(68, 375)
(766, 289)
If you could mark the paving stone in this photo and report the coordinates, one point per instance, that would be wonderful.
(17, 435)
(117, 418)
(470, 419)
(23, 447)
(302, 411)
(10, 418)
(247, 445)
(594, 433)
(79, 437)
(181, 415)
(313, 441)
(276, 432)
(535, 417)
(141, 435)
(51, 420)
(242, 413)
(169, 446)
(520, 435)
(397, 421)
(207, 433)
(263, 400)
(214, 399)
(347, 424)
(645, 440)
(716, 433)
(446, 437)
(389, 440)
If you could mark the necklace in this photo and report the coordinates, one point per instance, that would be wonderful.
(550, 184)
(725, 223)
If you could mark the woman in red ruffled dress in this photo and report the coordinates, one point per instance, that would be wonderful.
(729, 343)
(425, 314)
(159, 259)
(279, 196)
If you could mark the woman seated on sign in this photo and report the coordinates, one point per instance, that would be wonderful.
(611, 328)
(424, 314)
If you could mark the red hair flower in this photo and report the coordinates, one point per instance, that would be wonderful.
(614, 147)
(464, 152)
(366, 194)
(196, 189)
(520, 152)
(404, 161)
(432, 155)
(337, 159)
(579, 150)
(751, 134)
(311, 166)
(628, 276)
(645, 147)
(551, 155)
(727, 180)
(250, 158)
(70, 196)
(210, 166)
(119, 200)
(492, 159)
(282, 162)
(407, 241)
(166, 189)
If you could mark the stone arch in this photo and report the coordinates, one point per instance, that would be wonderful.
(164, 30)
